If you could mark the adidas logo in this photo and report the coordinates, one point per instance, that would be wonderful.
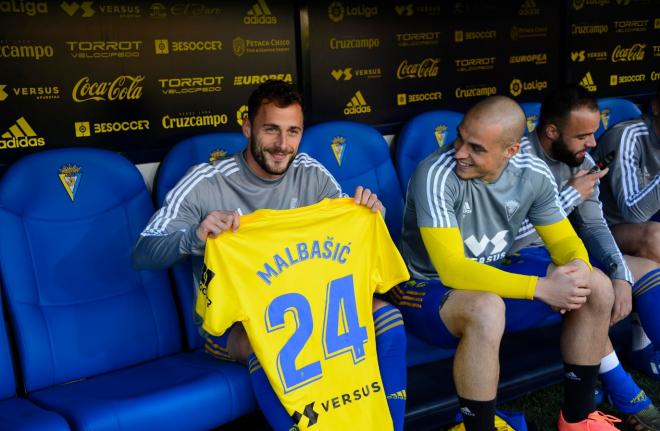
(259, 13)
(466, 208)
(528, 7)
(357, 105)
(21, 135)
(588, 82)
(466, 411)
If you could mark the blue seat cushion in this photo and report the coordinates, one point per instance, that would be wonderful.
(189, 390)
(18, 414)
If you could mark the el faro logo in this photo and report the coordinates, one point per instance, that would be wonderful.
(70, 178)
(21, 135)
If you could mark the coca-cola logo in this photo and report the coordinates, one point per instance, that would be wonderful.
(427, 68)
(123, 87)
(634, 53)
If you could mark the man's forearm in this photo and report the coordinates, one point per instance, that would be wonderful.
(153, 252)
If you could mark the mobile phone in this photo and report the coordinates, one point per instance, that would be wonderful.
(604, 162)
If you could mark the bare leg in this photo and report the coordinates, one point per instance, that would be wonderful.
(642, 240)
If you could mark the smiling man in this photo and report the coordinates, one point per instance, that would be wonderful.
(269, 174)
(464, 208)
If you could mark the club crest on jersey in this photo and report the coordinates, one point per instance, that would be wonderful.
(531, 123)
(605, 117)
(70, 177)
(511, 206)
(440, 134)
(216, 154)
(338, 146)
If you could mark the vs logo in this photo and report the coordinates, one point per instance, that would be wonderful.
(479, 247)
(577, 56)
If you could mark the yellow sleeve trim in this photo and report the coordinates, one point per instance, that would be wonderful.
(563, 243)
(445, 247)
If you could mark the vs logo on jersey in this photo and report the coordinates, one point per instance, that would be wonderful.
(338, 146)
(70, 176)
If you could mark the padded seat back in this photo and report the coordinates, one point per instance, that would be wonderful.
(187, 153)
(422, 135)
(7, 382)
(68, 221)
(614, 110)
(358, 155)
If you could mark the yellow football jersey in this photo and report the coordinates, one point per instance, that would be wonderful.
(302, 283)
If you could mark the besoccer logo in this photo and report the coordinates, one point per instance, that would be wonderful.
(338, 146)
(259, 13)
(82, 129)
(73, 7)
(21, 135)
(162, 46)
(357, 105)
(70, 177)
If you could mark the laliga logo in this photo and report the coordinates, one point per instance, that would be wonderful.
(515, 87)
(241, 114)
(124, 87)
(336, 11)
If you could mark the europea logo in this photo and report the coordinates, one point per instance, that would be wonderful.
(21, 135)
(259, 13)
(357, 105)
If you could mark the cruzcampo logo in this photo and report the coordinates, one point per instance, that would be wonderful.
(338, 146)
(440, 133)
(70, 177)
(605, 117)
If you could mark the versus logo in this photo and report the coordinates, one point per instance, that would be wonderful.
(72, 8)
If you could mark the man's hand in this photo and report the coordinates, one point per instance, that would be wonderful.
(564, 288)
(622, 300)
(584, 182)
(368, 199)
(217, 222)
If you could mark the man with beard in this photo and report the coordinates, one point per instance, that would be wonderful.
(565, 134)
(270, 174)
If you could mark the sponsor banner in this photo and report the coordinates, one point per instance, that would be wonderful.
(24, 50)
(84, 129)
(354, 43)
(240, 80)
(517, 86)
(655, 76)
(524, 32)
(427, 68)
(538, 59)
(338, 11)
(628, 26)
(474, 64)
(587, 82)
(627, 79)
(186, 120)
(357, 105)
(582, 55)
(589, 29)
(417, 10)
(89, 9)
(44, 92)
(259, 14)
(20, 134)
(429, 38)
(475, 91)
(191, 85)
(242, 46)
(159, 10)
(578, 5)
(467, 36)
(95, 49)
(632, 53)
(408, 98)
(349, 73)
(123, 87)
(23, 7)
(165, 46)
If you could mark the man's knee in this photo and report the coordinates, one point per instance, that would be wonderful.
(480, 313)
(602, 292)
(651, 240)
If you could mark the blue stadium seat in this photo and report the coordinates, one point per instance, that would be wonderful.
(532, 113)
(421, 136)
(614, 110)
(17, 413)
(192, 151)
(185, 154)
(82, 316)
(357, 154)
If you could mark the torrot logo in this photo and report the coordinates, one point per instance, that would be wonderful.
(29, 8)
(259, 13)
(93, 49)
(357, 105)
(124, 87)
(21, 135)
(73, 7)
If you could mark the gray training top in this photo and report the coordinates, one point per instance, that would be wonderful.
(489, 215)
(586, 216)
(230, 185)
(631, 190)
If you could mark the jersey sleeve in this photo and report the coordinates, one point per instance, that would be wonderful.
(445, 248)
(217, 302)
(546, 208)
(390, 268)
(637, 200)
(435, 191)
(563, 243)
(171, 234)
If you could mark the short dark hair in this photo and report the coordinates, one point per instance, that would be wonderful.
(559, 103)
(281, 93)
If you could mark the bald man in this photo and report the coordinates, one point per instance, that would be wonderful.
(464, 207)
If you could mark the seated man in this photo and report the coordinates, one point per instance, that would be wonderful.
(631, 202)
(569, 118)
(631, 191)
(464, 207)
(268, 174)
